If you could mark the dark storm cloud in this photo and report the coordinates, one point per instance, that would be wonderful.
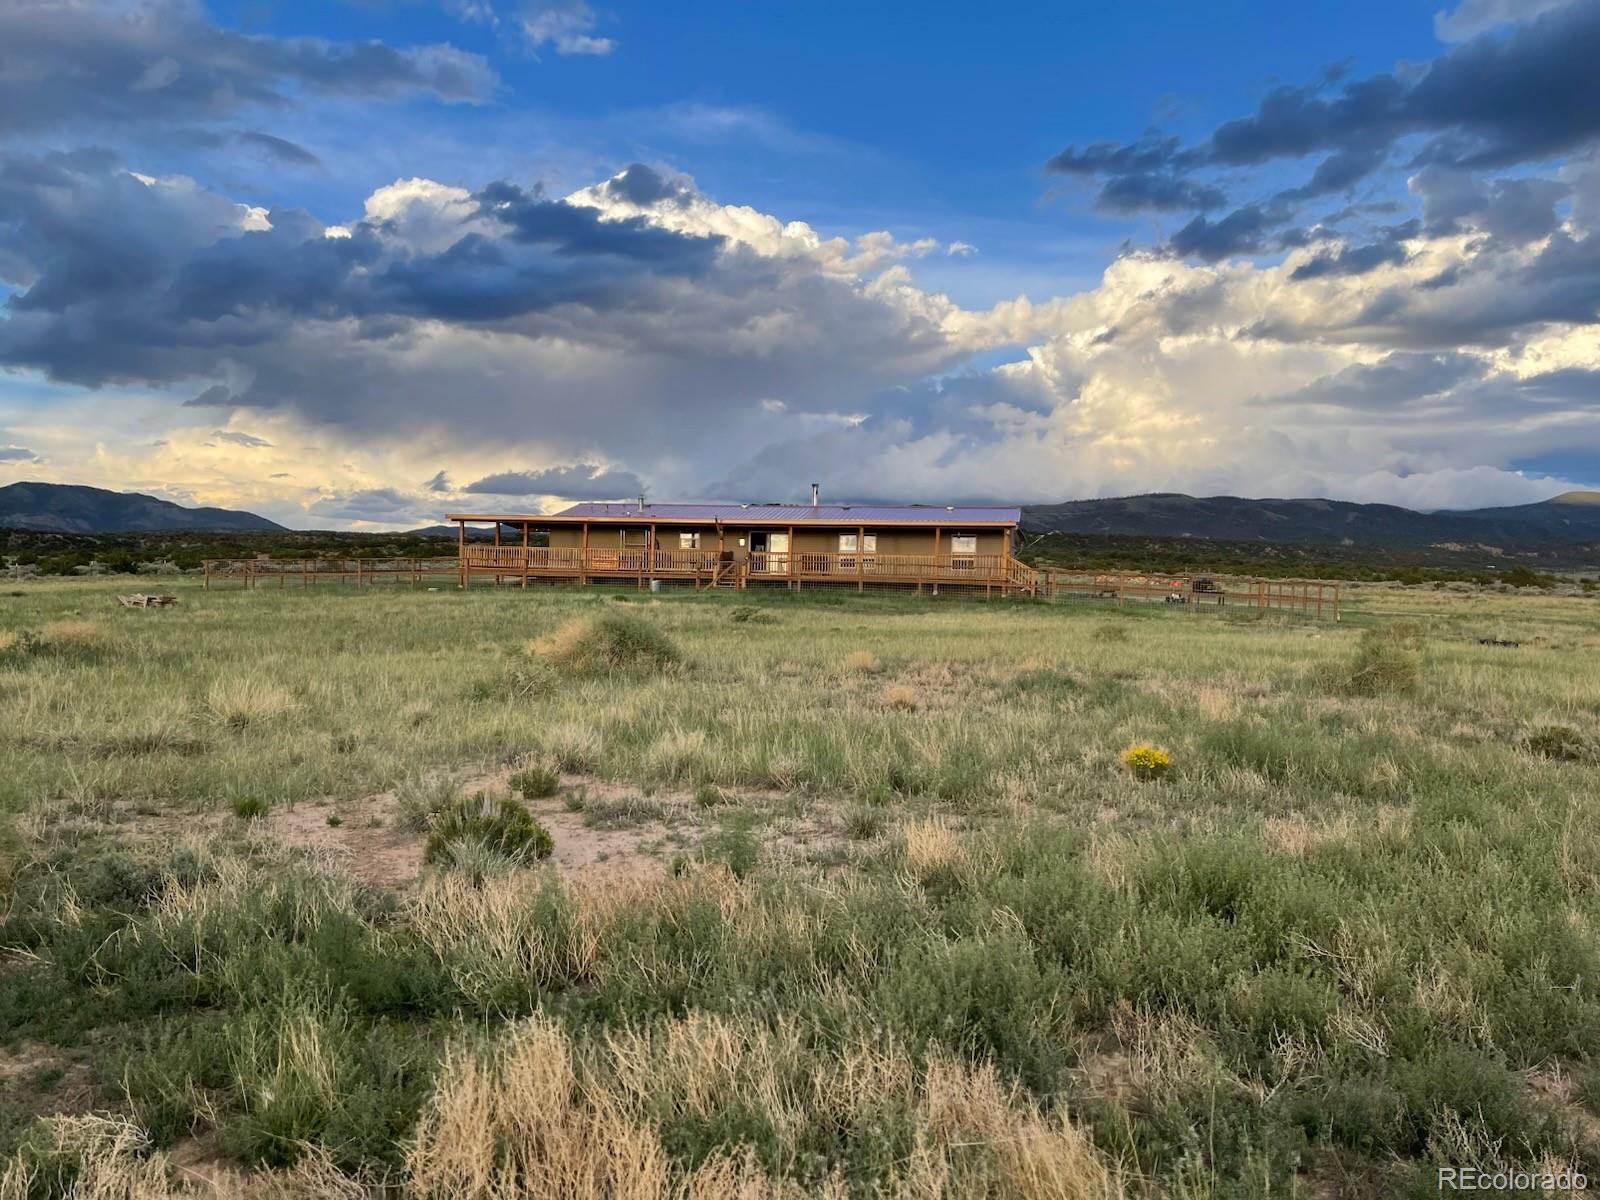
(1158, 191)
(118, 279)
(1358, 260)
(643, 186)
(570, 229)
(1492, 102)
(1520, 210)
(103, 63)
(578, 481)
(1246, 230)
(1520, 96)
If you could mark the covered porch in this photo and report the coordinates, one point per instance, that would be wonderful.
(719, 553)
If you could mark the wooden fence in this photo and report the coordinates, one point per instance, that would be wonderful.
(1304, 597)
(307, 572)
(1317, 599)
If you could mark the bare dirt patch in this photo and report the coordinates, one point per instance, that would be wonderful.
(365, 843)
(67, 1087)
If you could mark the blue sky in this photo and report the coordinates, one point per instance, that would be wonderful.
(345, 263)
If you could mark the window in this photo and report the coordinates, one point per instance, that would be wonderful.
(688, 541)
(963, 543)
(850, 543)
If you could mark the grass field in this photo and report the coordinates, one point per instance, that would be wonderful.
(845, 896)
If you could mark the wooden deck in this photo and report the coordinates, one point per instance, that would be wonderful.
(709, 568)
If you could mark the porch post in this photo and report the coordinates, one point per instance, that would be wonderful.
(937, 530)
(788, 560)
(861, 557)
(583, 555)
(461, 552)
(525, 554)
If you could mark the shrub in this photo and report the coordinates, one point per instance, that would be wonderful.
(242, 702)
(614, 641)
(249, 808)
(502, 823)
(708, 795)
(735, 845)
(749, 614)
(863, 822)
(1560, 742)
(523, 681)
(536, 782)
(1144, 761)
(1387, 659)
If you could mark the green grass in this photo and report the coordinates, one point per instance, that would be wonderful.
(1351, 935)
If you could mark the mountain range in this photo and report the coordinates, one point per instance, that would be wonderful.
(73, 508)
(1570, 520)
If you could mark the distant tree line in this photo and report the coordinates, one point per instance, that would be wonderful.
(72, 553)
(1189, 556)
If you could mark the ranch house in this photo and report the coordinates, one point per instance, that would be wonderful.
(752, 545)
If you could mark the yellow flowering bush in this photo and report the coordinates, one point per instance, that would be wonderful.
(1145, 761)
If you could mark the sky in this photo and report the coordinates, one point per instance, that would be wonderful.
(359, 264)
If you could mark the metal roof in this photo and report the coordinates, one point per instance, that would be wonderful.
(799, 514)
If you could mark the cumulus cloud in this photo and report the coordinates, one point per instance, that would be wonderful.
(640, 335)
(566, 25)
(1502, 98)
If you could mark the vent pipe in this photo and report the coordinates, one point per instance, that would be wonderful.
(815, 490)
(641, 503)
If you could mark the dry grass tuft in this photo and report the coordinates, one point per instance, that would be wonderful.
(573, 746)
(534, 1118)
(10, 639)
(515, 1124)
(72, 634)
(862, 662)
(933, 848)
(244, 701)
(680, 753)
(901, 697)
(614, 641)
(106, 1158)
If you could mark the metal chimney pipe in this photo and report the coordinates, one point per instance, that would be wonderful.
(815, 488)
(641, 503)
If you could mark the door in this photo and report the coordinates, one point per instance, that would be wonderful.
(769, 553)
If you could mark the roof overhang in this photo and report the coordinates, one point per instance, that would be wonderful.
(538, 519)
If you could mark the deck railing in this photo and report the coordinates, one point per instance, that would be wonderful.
(758, 564)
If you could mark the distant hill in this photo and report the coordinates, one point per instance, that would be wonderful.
(72, 508)
(1570, 519)
(477, 534)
